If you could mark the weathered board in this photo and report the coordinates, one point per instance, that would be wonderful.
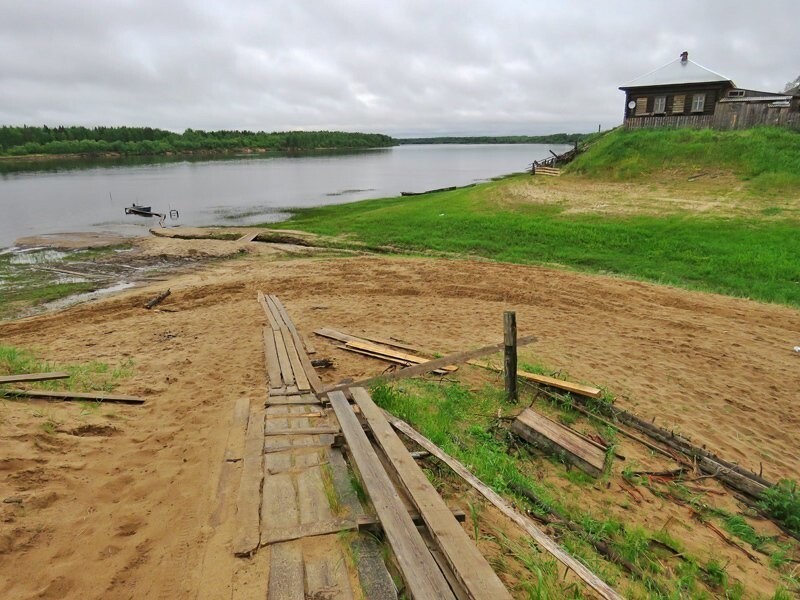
(555, 438)
(246, 537)
(420, 572)
(468, 564)
(32, 377)
(79, 396)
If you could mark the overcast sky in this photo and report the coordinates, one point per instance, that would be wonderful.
(415, 67)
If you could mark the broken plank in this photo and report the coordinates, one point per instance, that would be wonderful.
(557, 439)
(462, 555)
(56, 395)
(456, 358)
(592, 580)
(276, 535)
(420, 572)
(247, 534)
(24, 377)
(568, 386)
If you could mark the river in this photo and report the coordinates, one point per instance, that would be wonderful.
(83, 196)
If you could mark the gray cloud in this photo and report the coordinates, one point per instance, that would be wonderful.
(403, 68)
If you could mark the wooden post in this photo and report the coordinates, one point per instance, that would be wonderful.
(510, 358)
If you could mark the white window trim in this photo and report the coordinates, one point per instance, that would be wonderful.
(698, 99)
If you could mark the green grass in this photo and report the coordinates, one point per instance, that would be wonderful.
(766, 158)
(465, 424)
(750, 257)
(84, 377)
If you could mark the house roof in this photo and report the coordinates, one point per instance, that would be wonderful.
(677, 72)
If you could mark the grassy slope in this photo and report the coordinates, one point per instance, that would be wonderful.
(750, 257)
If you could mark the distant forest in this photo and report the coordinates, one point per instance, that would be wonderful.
(554, 138)
(21, 141)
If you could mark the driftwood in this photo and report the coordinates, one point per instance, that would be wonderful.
(157, 300)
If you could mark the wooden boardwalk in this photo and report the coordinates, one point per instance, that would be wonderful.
(296, 500)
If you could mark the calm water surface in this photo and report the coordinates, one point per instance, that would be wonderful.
(238, 191)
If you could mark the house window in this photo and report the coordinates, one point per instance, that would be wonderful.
(735, 93)
(698, 102)
(660, 105)
(641, 106)
(678, 103)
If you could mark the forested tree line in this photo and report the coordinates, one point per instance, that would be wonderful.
(554, 138)
(20, 141)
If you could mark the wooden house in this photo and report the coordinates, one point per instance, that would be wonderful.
(683, 93)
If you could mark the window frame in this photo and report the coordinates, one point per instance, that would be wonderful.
(698, 103)
(662, 100)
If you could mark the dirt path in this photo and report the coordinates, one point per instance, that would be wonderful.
(130, 508)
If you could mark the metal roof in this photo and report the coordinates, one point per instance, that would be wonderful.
(676, 72)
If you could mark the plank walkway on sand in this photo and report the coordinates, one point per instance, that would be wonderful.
(420, 571)
(462, 556)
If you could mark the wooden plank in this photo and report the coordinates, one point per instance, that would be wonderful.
(287, 374)
(420, 572)
(557, 439)
(568, 386)
(249, 237)
(304, 431)
(391, 343)
(271, 358)
(69, 396)
(287, 573)
(235, 445)
(279, 400)
(262, 300)
(462, 555)
(592, 580)
(33, 377)
(303, 384)
(248, 501)
(456, 358)
(392, 354)
(299, 341)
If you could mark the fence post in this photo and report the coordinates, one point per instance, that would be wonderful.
(510, 357)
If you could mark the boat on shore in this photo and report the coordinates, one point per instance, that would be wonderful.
(142, 211)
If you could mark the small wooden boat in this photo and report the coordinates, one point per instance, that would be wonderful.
(142, 211)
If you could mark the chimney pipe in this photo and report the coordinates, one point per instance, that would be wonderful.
(684, 57)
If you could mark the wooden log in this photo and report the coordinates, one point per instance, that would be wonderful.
(510, 354)
(729, 473)
(420, 573)
(461, 554)
(592, 580)
(557, 439)
(157, 300)
(25, 377)
(69, 396)
(454, 359)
